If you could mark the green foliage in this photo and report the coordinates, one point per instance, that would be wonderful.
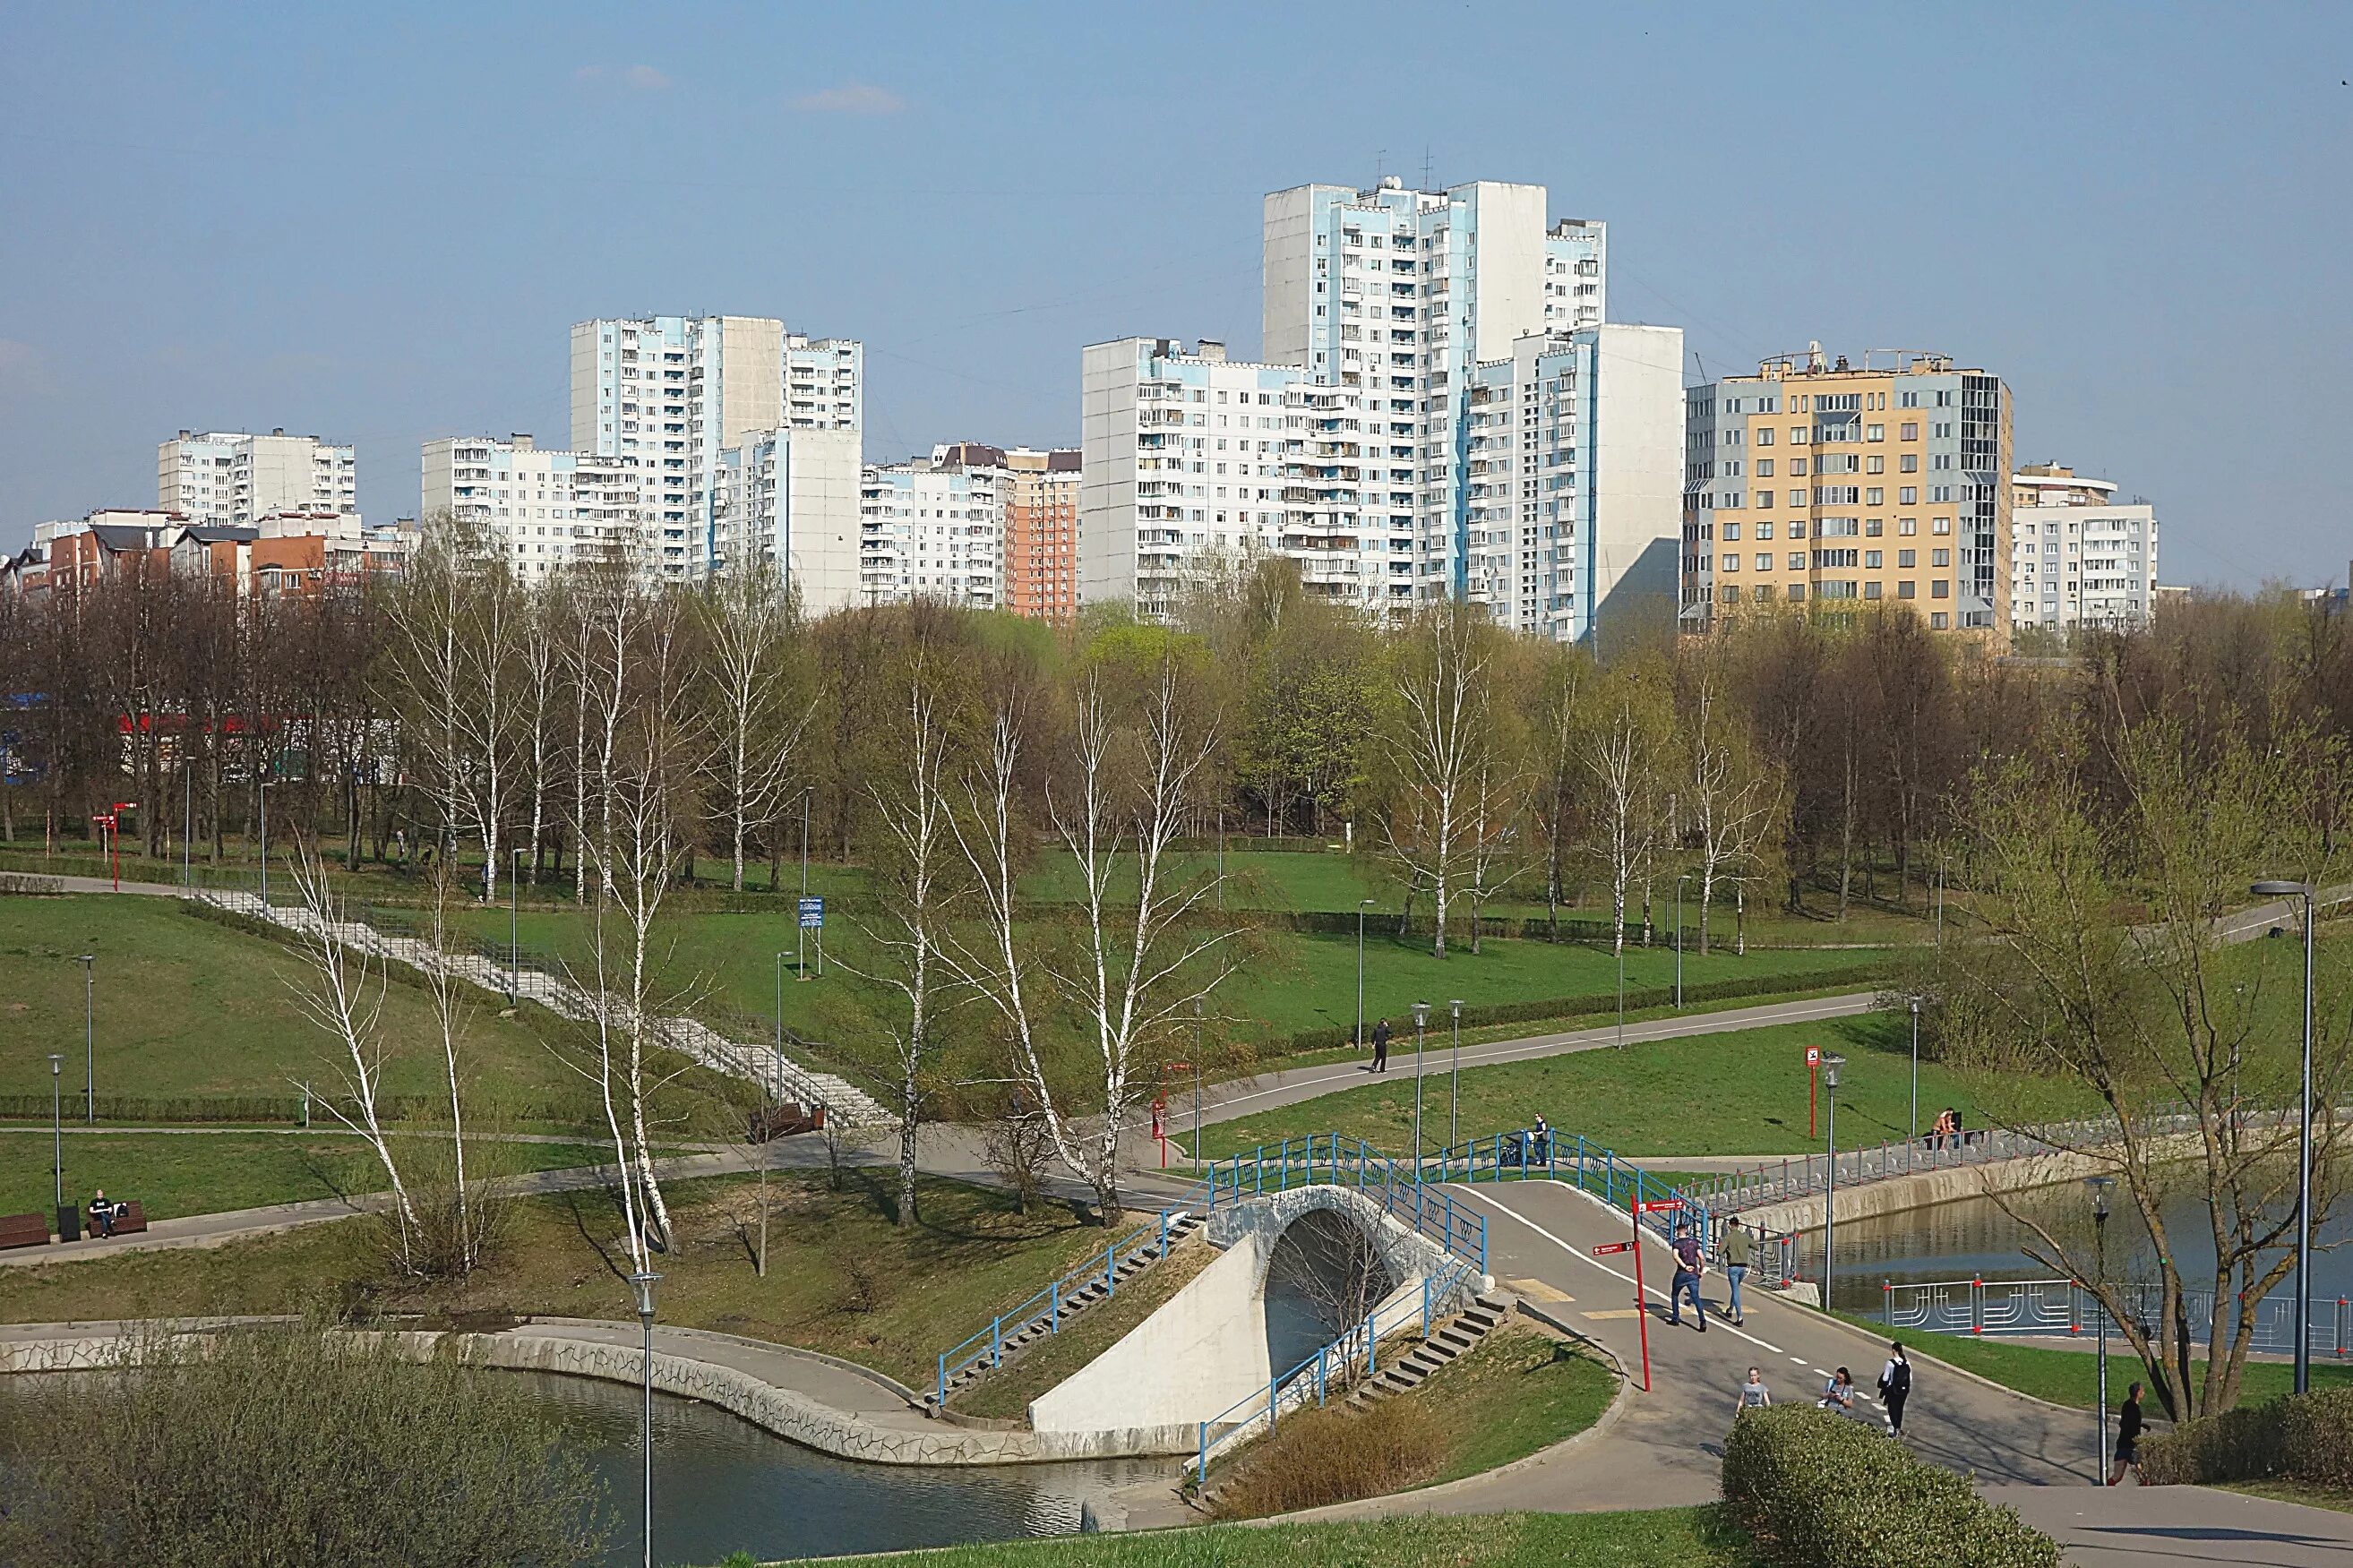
(1819, 1491)
(287, 1448)
(2305, 1437)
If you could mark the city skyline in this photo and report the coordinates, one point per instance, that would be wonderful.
(2112, 196)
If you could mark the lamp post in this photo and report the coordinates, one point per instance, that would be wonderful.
(1200, 1024)
(1620, 945)
(780, 1002)
(644, 1282)
(1362, 905)
(1679, 939)
(1421, 1018)
(2302, 1146)
(89, 961)
(1454, 1098)
(56, 1129)
(261, 794)
(514, 929)
(1915, 1083)
(2100, 1186)
(1831, 1062)
(800, 935)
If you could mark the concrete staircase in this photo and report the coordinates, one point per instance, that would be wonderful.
(1181, 1228)
(1457, 1337)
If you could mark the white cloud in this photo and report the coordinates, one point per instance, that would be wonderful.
(644, 78)
(851, 97)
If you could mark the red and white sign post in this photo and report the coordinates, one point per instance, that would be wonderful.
(1813, 1085)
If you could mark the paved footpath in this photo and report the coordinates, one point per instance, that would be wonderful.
(2133, 1527)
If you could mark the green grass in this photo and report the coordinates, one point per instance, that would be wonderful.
(1657, 1538)
(1742, 1092)
(2301, 1492)
(1005, 1395)
(1518, 1394)
(2072, 1377)
(177, 1174)
(841, 1277)
(187, 1007)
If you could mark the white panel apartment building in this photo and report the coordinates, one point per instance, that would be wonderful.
(932, 529)
(232, 479)
(542, 509)
(2078, 558)
(789, 497)
(674, 393)
(1386, 312)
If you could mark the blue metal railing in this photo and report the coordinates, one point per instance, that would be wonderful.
(1334, 1364)
(1319, 1158)
(1524, 1155)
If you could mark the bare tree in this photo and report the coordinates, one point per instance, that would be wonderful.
(1730, 797)
(748, 621)
(1624, 753)
(1440, 742)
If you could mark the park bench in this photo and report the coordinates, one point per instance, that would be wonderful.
(24, 1230)
(785, 1120)
(129, 1219)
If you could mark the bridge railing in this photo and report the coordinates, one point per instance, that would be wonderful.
(1336, 1365)
(2066, 1308)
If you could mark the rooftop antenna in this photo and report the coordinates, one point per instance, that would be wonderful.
(1380, 166)
(1425, 167)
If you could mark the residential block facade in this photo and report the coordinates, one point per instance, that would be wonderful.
(1814, 482)
(541, 510)
(2078, 558)
(934, 528)
(233, 478)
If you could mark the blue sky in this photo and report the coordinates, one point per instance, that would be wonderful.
(377, 223)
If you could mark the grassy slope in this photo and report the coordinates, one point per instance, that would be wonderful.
(1007, 1394)
(1516, 1393)
(841, 1277)
(187, 1007)
(1663, 1538)
(173, 1174)
(1737, 1093)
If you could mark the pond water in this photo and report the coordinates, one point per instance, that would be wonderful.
(723, 1485)
(1977, 1237)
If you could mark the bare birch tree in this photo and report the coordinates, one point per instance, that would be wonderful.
(1730, 798)
(748, 620)
(1440, 740)
(1622, 754)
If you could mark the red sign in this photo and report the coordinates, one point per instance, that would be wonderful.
(1813, 1055)
(1656, 1204)
(1606, 1250)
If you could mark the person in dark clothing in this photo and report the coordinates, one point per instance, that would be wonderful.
(2128, 1425)
(101, 1214)
(1689, 1266)
(1895, 1386)
(1380, 1047)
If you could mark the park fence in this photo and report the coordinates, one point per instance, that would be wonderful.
(2067, 1309)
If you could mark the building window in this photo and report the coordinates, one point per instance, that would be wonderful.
(1938, 620)
(1796, 591)
(1904, 590)
(1871, 590)
(1940, 588)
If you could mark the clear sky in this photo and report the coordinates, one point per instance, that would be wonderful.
(378, 223)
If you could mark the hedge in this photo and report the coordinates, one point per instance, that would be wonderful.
(1819, 1490)
(2297, 1437)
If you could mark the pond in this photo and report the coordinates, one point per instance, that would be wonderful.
(723, 1485)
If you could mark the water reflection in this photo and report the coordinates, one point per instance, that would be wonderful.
(721, 1485)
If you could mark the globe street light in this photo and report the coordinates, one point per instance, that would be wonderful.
(644, 1282)
(1915, 1083)
(89, 961)
(1454, 1107)
(1831, 1062)
(56, 1133)
(2302, 1146)
(1421, 1018)
(2100, 1186)
(1362, 905)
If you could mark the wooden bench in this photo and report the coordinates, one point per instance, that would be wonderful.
(24, 1230)
(129, 1219)
(783, 1120)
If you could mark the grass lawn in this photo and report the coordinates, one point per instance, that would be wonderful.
(2072, 1377)
(1737, 1093)
(1006, 1395)
(1518, 1393)
(2295, 1491)
(187, 1007)
(175, 1173)
(842, 1277)
(1660, 1538)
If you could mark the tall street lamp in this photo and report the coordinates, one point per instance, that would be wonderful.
(261, 794)
(1830, 1065)
(1454, 1104)
(1200, 1024)
(1362, 905)
(57, 1133)
(514, 929)
(1679, 939)
(644, 1282)
(800, 935)
(1421, 1018)
(89, 961)
(2302, 1146)
(2100, 1186)
(1916, 1081)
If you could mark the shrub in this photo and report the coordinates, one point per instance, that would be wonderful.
(289, 1448)
(1818, 1490)
(1332, 1455)
(2297, 1437)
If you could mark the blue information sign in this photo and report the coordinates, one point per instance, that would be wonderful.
(813, 913)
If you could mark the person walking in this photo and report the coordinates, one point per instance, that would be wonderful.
(1753, 1395)
(1837, 1393)
(1895, 1386)
(1380, 1048)
(1689, 1266)
(1736, 1251)
(2128, 1425)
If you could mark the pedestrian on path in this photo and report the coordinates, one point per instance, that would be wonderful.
(1737, 1250)
(1895, 1386)
(1753, 1395)
(1689, 1266)
(1837, 1393)
(2128, 1425)
(1380, 1048)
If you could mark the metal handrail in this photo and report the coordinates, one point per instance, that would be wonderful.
(1978, 1305)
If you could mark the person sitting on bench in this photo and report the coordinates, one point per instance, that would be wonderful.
(102, 1213)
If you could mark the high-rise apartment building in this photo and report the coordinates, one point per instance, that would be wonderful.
(934, 528)
(788, 497)
(674, 393)
(2077, 558)
(231, 478)
(1814, 481)
(1042, 532)
(541, 510)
